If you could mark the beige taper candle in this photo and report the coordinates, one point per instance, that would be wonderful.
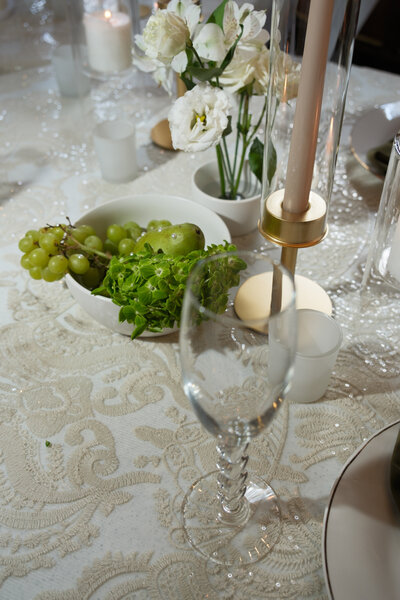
(308, 107)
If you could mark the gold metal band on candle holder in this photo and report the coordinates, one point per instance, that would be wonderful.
(292, 229)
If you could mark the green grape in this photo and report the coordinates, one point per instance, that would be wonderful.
(126, 246)
(25, 261)
(154, 224)
(35, 272)
(47, 275)
(91, 278)
(134, 230)
(94, 242)
(58, 232)
(110, 247)
(116, 233)
(26, 244)
(38, 257)
(49, 242)
(58, 264)
(81, 232)
(32, 233)
(78, 263)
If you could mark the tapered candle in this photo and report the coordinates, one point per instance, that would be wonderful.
(308, 107)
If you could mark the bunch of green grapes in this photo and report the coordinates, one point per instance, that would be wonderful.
(51, 252)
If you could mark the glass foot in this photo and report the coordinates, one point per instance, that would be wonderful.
(217, 536)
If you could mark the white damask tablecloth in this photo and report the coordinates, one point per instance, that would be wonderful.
(96, 514)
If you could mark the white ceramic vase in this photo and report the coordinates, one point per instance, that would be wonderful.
(241, 216)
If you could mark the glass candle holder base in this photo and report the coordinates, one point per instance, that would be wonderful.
(211, 533)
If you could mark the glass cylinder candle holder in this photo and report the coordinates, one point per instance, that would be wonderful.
(384, 252)
(311, 50)
(103, 33)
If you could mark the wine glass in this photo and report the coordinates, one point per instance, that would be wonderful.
(237, 343)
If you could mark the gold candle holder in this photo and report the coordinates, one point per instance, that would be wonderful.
(292, 231)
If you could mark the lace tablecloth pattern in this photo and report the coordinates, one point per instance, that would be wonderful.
(95, 513)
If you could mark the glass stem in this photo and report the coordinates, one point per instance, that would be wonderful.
(231, 479)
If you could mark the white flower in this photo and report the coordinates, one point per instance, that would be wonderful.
(187, 10)
(250, 64)
(198, 119)
(287, 72)
(165, 36)
(212, 43)
(162, 74)
(209, 42)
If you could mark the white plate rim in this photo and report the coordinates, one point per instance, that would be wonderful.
(328, 508)
(364, 116)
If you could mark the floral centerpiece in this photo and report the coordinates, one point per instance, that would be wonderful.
(223, 62)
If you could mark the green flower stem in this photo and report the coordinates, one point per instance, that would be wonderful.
(196, 55)
(238, 132)
(245, 143)
(257, 125)
(220, 160)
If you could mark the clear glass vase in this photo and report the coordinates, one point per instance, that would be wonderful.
(310, 57)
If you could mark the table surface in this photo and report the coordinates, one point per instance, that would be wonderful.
(96, 514)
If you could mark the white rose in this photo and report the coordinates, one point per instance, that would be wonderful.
(239, 72)
(198, 119)
(165, 36)
(287, 76)
(250, 64)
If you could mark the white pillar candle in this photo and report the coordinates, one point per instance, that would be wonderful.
(115, 146)
(308, 107)
(109, 41)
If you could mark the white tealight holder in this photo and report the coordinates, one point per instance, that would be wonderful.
(115, 146)
(71, 80)
(319, 338)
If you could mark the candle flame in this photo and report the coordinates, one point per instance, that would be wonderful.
(107, 14)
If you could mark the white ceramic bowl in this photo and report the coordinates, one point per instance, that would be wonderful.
(141, 208)
(240, 216)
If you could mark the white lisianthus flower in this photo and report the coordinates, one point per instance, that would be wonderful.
(198, 119)
(165, 36)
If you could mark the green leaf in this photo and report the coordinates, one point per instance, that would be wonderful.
(256, 158)
(188, 82)
(272, 160)
(218, 15)
(228, 128)
(204, 74)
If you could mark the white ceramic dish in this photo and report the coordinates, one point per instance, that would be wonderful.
(374, 128)
(141, 208)
(361, 535)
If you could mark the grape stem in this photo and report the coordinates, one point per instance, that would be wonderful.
(89, 250)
